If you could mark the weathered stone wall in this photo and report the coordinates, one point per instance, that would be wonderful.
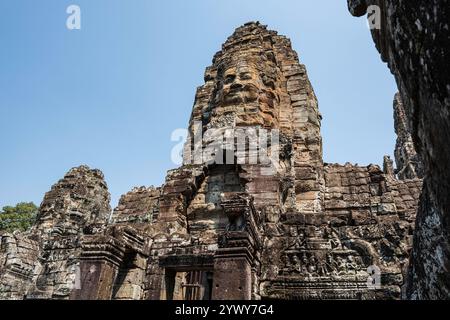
(414, 39)
(367, 221)
(18, 265)
(139, 206)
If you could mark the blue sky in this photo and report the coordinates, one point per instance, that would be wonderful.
(110, 95)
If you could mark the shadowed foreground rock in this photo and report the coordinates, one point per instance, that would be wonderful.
(414, 40)
(287, 226)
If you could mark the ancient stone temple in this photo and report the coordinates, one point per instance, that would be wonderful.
(271, 221)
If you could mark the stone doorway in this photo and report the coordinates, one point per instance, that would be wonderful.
(190, 285)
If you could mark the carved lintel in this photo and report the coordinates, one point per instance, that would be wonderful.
(242, 215)
(187, 262)
(106, 249)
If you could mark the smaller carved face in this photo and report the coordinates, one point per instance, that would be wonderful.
(305, 258)
(294, 232)
(329, 258)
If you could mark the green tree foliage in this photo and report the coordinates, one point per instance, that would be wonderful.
(21, 217)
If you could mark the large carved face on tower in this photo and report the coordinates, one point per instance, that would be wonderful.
(247, 88)
(239, 84)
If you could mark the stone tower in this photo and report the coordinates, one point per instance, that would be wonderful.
(255, 83)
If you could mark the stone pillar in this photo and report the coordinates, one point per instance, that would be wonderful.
(232, 268)
(98, 271)
(238, 247)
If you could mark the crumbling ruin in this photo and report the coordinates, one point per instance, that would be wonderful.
(293, 227)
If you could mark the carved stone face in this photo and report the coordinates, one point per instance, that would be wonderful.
(329, 258)
(240, 85)
(247, 91)
(305, 258)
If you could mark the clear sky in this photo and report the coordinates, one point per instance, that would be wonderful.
(110, 95)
